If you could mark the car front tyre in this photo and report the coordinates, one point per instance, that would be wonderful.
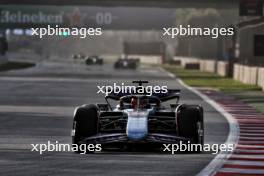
(85, 123)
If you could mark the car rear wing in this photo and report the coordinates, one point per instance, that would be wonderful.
(170, 95)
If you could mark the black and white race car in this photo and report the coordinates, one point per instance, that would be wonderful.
(94, 60)
(126, 63)
(138, 119)
(78, 56)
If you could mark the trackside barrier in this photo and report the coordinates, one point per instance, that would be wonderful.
(211, 66)
(247, 74)
(261, 77)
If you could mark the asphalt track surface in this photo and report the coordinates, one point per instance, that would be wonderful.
(37, 104)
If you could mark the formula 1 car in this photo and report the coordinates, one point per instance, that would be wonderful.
(138, 119)
(126, 63)
(78, 56)
(94, 60)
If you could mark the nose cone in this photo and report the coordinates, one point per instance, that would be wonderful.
(137, 128)
(136, 135)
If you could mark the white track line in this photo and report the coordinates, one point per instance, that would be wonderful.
(215, 165)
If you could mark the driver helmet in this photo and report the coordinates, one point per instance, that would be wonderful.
(137, 102)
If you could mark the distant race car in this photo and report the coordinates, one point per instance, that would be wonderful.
(138, 119)
(94, 60)
(78, 56)
(126, 63)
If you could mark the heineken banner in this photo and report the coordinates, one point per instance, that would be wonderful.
(105, 17)
(27, 17)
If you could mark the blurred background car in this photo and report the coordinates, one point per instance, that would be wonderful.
(94, 60)
(78, 56)
(125, 63)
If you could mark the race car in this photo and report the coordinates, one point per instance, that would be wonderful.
(126, 63)
(94, 60)
(138, 119)
(78, 56)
